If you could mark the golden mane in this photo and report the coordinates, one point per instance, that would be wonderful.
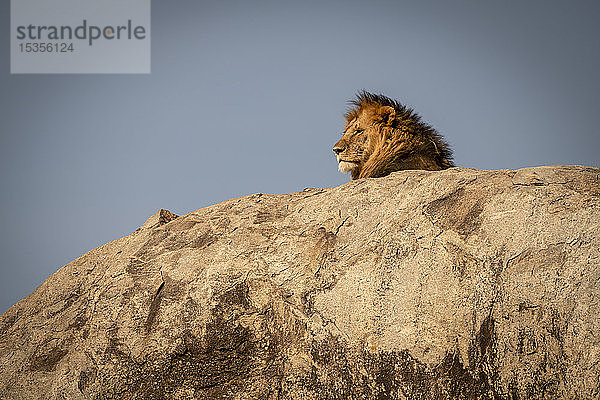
(382, 136)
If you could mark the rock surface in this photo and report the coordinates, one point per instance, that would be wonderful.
(458, 284)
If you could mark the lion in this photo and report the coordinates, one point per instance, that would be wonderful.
(382, 136)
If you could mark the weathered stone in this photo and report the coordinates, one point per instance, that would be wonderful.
(460, 284)
(159, 218)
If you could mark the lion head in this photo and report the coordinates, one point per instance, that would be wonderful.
(382, 136)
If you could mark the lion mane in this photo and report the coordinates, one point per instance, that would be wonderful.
(382, 136)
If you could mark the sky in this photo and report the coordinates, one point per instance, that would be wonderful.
(248, 96)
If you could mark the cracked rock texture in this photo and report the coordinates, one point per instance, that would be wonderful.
(459, 284)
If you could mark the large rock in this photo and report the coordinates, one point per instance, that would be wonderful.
(421, 285)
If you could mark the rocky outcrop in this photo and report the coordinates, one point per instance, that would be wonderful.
(459, 284)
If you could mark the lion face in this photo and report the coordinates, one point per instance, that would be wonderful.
(352, 150)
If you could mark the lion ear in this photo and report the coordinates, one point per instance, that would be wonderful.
(386, 114)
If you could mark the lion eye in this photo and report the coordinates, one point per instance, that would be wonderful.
(356, 132)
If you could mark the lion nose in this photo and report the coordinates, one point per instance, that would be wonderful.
(338, 149)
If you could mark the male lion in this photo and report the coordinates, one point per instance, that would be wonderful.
(382, 136)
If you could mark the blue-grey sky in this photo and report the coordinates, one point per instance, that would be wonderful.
(248, 96)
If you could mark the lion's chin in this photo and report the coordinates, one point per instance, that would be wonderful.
(347, 167)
